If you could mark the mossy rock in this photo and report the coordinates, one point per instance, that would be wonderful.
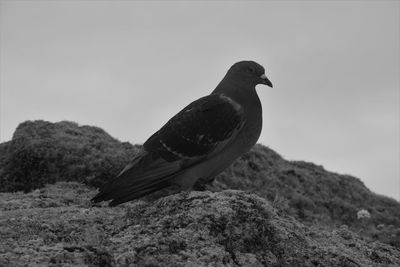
(41, 152)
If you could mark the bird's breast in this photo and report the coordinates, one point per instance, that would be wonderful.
(251, 130)
(245, 139)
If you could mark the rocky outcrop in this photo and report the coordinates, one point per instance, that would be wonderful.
(44, 153)
(56, 226)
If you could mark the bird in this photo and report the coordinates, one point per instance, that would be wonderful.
(199, 142)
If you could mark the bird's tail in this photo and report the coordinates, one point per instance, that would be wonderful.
(146, 174)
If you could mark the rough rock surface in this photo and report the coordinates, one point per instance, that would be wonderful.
(42, 152)
(56, 226)
(313, 195)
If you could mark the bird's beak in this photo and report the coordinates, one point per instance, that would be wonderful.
(265, 80)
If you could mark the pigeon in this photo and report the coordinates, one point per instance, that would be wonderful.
(198, 142)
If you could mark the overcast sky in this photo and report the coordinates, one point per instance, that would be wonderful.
(128, 66)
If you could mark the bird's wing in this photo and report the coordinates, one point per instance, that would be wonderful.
(200, 130)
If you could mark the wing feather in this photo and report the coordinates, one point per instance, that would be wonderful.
(146, 170)
(200, 129)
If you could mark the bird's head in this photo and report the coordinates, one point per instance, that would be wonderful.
(249, 72)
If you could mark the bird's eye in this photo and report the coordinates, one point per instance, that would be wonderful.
(252, 70)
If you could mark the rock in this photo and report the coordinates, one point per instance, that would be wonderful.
(228, 228)
(41, 152)
(363, 214)
(313, 195)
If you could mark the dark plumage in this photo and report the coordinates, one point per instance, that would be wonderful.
(199, 142)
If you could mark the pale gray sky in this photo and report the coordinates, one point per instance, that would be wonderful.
(128, 66)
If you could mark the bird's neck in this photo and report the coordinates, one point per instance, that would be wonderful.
(247, 97)
(238, 91)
